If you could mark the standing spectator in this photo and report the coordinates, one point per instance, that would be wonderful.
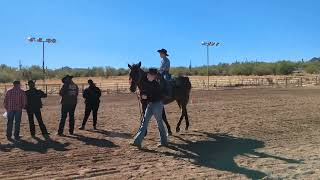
(34, 105)
(92, 96)
(69, 94)
(14, 102)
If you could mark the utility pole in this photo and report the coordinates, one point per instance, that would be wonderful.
(20, 65)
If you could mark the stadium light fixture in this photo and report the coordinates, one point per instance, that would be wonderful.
(42, 40)
(208, 44)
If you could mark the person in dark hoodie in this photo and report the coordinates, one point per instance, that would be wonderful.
(69, 95)
(151, 92)
(33, 107)
(92, 96)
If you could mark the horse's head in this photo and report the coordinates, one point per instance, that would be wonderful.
(135, 76)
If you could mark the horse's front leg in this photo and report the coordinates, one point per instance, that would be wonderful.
(144, 107)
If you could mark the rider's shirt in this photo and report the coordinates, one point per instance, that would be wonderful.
(165, 65)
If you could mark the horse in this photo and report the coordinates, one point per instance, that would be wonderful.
(181, 87)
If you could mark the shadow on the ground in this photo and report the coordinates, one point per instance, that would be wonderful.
(93, 141)
(42, 146)
(113, 134)
(219, 152)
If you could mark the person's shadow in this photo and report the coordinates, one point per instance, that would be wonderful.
(219, 151)
(112, 133)
(93, 141)
(42, 146)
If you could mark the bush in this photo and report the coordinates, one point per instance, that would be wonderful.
(285, 67)
(6, 77)
(312, 67)
(8, 74)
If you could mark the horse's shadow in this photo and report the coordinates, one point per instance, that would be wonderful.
(42, 146)
(219, 151)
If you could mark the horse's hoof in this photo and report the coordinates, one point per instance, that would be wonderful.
(177, 129)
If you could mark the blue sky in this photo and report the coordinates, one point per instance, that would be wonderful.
(116, 32)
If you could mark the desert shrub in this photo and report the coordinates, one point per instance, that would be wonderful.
(285, 67)
(6, 77)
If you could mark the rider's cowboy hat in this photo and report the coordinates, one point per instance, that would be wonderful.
(163, 51)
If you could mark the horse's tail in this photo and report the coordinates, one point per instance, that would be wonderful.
(188, 83)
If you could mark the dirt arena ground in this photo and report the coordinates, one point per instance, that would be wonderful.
(234, 134)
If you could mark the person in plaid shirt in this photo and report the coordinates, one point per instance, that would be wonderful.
(15, 100)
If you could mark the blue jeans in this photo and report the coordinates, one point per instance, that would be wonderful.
(14, 116)
(166, 75)
(154, 108)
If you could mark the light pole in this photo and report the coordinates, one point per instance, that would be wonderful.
(41, 40)
(208, 43)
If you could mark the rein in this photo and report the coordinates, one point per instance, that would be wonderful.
(139, 103)
(138, 98)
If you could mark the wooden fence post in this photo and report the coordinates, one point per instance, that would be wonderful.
(117, 88)
(286, 82)
(301, 81)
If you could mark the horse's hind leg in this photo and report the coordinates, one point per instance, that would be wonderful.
(181, 117)
(164, 117)
(186, 117)
(179, 123)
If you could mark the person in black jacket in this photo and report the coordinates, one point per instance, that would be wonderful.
(69, 99)
(33, 107)
(92, 96)
(151, 92)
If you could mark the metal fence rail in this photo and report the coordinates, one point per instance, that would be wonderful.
(122, 85)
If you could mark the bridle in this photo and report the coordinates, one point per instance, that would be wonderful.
(137, 82)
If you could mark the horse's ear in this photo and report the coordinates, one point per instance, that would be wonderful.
(139, 64)
(129, 66)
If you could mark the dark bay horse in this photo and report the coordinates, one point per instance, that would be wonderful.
(181, 93)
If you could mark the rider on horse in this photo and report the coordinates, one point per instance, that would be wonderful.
(164, 71)
(165, 64)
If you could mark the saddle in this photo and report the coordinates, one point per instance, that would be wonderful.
(168, 86)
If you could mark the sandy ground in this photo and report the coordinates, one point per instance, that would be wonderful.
(234, 134)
